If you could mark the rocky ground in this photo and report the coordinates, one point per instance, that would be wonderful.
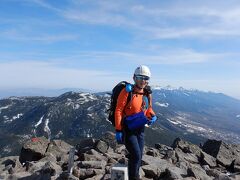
(41, 159)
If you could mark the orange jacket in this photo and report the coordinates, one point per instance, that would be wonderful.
(134, 106)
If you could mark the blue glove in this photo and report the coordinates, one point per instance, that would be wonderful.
(119, 137)
(154, 118)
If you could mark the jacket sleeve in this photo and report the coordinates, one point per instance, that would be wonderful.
(121, 103)
(150, 112)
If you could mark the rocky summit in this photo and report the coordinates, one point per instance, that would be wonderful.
(41, 159)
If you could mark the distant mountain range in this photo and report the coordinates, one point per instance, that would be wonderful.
(4, 93)
(190, 114)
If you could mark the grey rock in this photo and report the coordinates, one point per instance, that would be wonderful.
(223, 152)
(120, 149)
(109, 138)
(58, 149)
(222, 177)
(174, 173)
(19, 175)
(183, 165)
(85, 145)
(101, 146)
(162, 149)
(189, 157)
(154, 166)
(197, 172)
(92, 164)
(34, 149)
(151, 171)
(66, 176)
(113, 156)
(89, 157)
(213, 172)
(97, 177)
(51, 168)
(10, 163)
(207, 159)
(186, 147)
(152, 152)
(236, 168)
(141, 172)
(32, 167)
(107, 177)
(86, 173)
(112, 161)
(171, 156)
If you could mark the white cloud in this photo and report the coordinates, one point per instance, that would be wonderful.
(154, 20)
(164, 56)
(44, 74)
(185, 19)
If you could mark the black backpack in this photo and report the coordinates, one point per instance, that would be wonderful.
(115, 93)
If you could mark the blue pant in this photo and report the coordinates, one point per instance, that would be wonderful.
(134, 142)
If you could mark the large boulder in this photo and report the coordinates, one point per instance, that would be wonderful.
(207, 159)
(101, 146)
(152, 152)
(58, 147)
(197, 172)
(187, 147)
(172, 173)
(83, 173)
(151, 171)
(89, 157)
(223, 152)
(162, 148)
(189, 157)
(34, 149)
(11, 160)
(85, 145)
(92, 164)
(155, 167)
(109, 138)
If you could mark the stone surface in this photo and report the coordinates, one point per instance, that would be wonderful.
(94, 159)
(34, 149)
(224, 153)
(101, 146)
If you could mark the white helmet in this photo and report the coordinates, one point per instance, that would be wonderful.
(143, 71)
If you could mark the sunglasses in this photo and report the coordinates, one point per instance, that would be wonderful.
(142, 78)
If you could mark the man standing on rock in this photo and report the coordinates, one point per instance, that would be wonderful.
(132, 116)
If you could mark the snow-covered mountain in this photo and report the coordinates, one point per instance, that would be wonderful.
(190, 114)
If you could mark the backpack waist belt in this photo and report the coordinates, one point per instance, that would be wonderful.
(135, 121)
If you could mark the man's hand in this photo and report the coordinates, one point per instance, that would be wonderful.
(154, 118)
(119, 137)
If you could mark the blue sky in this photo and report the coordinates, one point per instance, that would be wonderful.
(94, 44)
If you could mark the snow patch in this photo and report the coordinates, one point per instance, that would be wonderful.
(17, 116)
(76, 106)
(47, 129)
(39, 122)
(106, 95)
(59, 134)
(190, 130)
(91, 115)
(173, 122)
(4, 107)
(186, 94)
(162, 104)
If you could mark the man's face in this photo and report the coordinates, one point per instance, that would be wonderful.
(141, 81)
